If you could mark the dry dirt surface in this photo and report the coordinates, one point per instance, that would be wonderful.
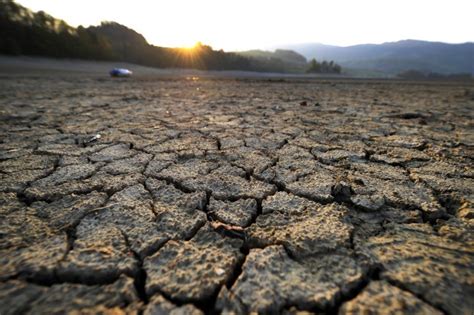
(191, 196)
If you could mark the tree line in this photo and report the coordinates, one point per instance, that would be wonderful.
(323, 67)
(23, 32)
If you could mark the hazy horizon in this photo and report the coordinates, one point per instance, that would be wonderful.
(243, 25)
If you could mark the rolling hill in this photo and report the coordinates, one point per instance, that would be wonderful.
(284, 60)
(395, 57)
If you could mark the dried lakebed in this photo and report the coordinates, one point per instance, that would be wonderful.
(235, 196)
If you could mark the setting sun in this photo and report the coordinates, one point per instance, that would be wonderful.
(193, 46)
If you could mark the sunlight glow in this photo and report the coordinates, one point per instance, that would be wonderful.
(250, 24)
(192, 47)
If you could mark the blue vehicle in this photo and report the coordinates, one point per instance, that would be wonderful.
(120, 72)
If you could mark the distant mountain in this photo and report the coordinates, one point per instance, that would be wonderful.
(395, 57)
(289, 56)
(281, 59)
(289, 61)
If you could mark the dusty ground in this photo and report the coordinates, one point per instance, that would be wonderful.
(235, 195)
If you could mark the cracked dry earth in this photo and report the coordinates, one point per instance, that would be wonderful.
(235, 196)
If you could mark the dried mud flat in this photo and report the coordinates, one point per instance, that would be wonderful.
(235, 196)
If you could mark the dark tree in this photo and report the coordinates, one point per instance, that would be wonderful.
(323, 67)
(314, 67)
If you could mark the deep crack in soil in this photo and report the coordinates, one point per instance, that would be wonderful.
(209, 196)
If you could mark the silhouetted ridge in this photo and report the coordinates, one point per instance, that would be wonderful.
(23, 32)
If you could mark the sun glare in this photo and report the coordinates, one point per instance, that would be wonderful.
(192, 47)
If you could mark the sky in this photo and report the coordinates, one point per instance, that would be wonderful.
(266, 24)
